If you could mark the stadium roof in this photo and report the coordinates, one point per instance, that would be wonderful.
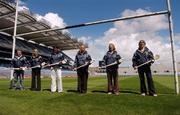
(28, 23)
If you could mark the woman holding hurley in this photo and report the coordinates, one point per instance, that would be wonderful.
(111, 61)
(141, 56)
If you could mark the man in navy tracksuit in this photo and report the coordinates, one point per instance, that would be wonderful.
(142, 55)
(82, 58)
(19, 63)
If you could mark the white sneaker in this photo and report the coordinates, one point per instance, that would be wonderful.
(154, 95)
(143, 94)
(109, 93)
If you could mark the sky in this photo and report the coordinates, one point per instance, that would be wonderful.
(124, 34)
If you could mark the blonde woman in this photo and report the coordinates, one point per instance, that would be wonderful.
(36, 62)
(112, 71)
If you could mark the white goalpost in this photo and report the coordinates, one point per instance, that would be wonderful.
(166, 12)
(14, 38)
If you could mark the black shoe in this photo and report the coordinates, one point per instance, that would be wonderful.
(83, 91)
(13, 88)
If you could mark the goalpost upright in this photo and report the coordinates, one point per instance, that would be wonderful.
(170, 22)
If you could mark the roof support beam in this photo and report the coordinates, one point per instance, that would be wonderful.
(19, 25)
(7, 15)
(58, 41)
(45, 37)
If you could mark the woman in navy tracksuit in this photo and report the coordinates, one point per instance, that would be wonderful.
(36, 60)
(82, 58)
(112, 71)
(142, 55)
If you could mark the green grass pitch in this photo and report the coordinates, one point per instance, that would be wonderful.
(95, 102)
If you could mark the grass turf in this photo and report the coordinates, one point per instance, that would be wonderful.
(95, 102)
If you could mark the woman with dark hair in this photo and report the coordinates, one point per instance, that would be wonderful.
(58, 59)
(36, 62)
(143, 55)
(112, 71)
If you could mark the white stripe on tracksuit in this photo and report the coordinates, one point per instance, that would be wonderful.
(56, 74)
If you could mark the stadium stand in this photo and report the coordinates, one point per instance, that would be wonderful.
(27, 22)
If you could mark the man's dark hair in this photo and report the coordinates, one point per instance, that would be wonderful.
(55, 47)
(142, 41)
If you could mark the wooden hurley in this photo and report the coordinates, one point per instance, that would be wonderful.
(120, 61)
(83, 65)
(156, 58)
(23, 68)
(49, 65)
